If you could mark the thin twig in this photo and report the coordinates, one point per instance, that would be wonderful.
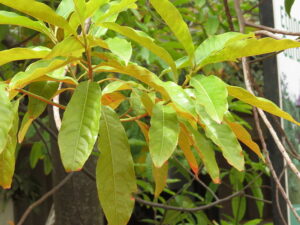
(228, 15)
(134, 118)
(43, 198)
(271, 29)
(277, 198)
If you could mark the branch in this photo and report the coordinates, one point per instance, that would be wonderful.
(134, 118)
(271, 29)
(43, 198)
(228, 15)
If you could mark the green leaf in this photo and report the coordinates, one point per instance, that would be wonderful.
(7, 157)
(144, 41)
(38, 10)
(115, 9)
(92, 6)
(80, 126)
(136, 102)
(65, 8)
(18, 20)
(259, 102)
(163, 134)
(120, 47)
(211, 92)
(224, 138)
(15, 54)
(211, 25)
(288, 6)
(25, 125)
(253, 222)
(37, 70)
(80, 8)
(6, 116)
(45, 89)
(206, 153)
(251, 46)
(160, 177)
(115, 172)
(174, 20)
(36, 154)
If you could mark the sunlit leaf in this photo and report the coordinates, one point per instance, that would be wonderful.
(7, 157)
(160, 178)
(65, 8)
(262, 103)
(120, 47)
(224, 138)
(174, 20)
(115, 172)
(80, 126)
(144, 41)
(38, 10)
(15, 54)
(16, 19)
(211, 92)
(243, 135)
(163, 134)
(112, 100)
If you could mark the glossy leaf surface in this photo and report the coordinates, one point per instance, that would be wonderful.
(262, 103)
(163, 134)
(115, 172)
(211, 92)
(80, 126)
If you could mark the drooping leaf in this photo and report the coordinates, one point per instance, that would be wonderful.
(45, 89)
(25, 125)
(6, 116)
(37, 70)
(163, 133)
(288, 6)
(36, 154)
(58, 75)
(211, 93)
(38, 10)
(18, 20)
(148, 102)
(174, 20)
(80, 126)
(115, 172)
(144, 128)
(160, 177)
(15, 54)
(136, 102)
(262, 103)
(144, 41)
(243, 135)
(223, 136)
(7, 157)
(120, 47)
(206, 153)
(185, 143)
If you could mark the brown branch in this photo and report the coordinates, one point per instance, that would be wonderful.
(134, 118)
(40, 98)
(277, 199)
(267, 33)
(271, 29)
(228, 15)
(43, 198)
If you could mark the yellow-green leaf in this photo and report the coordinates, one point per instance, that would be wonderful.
(116, 181)
(262, 103)
(15, 54)
(144, 41)
(243, 135)
(6, 116)
(224, 138)
(112, 100)
(18, 20)
(160, 177)
(38, 10)
(211, 92)
(174, 20)
(7, 157)
(37, 70)
(163, 133)
(25, 124)
(80, 126)
(120, 47)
